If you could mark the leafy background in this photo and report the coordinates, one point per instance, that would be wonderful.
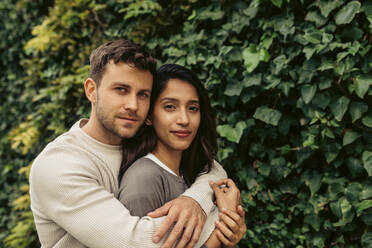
(290, 81)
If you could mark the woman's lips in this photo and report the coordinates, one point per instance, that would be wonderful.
(181, 134)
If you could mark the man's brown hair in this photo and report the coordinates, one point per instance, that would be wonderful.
(119, 51)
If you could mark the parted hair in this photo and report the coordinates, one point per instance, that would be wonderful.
(198, 157)
(119, 51)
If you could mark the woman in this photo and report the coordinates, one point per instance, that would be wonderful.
(176, 144)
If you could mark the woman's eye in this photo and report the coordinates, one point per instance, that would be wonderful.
(169, 107)
(194, 109)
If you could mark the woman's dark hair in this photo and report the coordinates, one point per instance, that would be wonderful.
(199, 155)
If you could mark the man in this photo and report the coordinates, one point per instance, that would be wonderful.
(73, 181)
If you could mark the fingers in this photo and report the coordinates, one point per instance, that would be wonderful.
(196, 234)
(162, 211)
(217, 191)
(236, 217)
(229, 222)
(227, 181)
(241, 211)
(223, 239)
(166, 224)
(175, 233)
(187, 234)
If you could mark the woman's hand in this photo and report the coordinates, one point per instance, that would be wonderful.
(227, 194)
(231, 227)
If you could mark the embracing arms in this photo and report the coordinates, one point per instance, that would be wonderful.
(71, 203)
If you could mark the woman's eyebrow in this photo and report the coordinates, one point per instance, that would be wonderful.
(169, 99)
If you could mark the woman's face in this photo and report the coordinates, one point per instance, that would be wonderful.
(176, 115)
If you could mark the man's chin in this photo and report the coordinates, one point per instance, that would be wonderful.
(128, 133)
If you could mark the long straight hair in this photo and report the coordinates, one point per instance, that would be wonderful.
(198, 157)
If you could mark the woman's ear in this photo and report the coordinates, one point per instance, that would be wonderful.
(148, 121)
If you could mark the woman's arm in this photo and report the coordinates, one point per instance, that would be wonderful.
(231, 227)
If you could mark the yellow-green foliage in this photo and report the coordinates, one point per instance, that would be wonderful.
(24, 136)
(22, 235)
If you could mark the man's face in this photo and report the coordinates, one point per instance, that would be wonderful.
(123, 100)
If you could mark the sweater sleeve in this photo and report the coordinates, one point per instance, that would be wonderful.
(200, 190)
(66, 190)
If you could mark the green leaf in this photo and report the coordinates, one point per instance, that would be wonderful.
(347, 13)
(267, 115)
(350, 137)
(362, 84)
(367, 161)
(233, 88)
(232, 134)
(331, 151)
(251, 80)
(346, 212)
(314, 37)
(339, 107)
(277, 3)
(367, 121)
(366, 193)
(251, 58)
(357, 109)
(314, 182)
(367, 240)
(314, 16)
(327, 6)
(308, 91)
(355, 167)
(363, 206)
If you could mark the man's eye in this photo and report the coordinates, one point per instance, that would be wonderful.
(143, 95)
(121, 89)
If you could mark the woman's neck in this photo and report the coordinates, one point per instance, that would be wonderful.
(171, 158)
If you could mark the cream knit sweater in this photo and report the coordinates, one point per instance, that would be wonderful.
(74, 187)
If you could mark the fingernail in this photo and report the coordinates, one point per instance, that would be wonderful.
(211, 182)
(223, 209)
(155, 239)
(220, 215)
(240, 207)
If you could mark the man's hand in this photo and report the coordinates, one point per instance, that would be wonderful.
(188, 217)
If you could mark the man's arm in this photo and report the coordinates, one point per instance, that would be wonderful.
(198, 198)
(68, 192)
(200, 190)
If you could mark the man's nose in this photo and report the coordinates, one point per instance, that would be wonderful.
(132, 103)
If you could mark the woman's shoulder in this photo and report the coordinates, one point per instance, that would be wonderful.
(144, 167)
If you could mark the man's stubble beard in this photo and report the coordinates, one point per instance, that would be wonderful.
(107, 122)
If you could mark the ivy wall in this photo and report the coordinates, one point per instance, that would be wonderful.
(290, 81)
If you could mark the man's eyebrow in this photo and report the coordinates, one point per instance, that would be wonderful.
(118, 83)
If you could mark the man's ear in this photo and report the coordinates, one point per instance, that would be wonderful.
(90, 88)
(148, 121)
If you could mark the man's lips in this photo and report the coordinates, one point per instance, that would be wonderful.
(181, 133)
(132, 119)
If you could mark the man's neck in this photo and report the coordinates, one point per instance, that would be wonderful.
(95, 130)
